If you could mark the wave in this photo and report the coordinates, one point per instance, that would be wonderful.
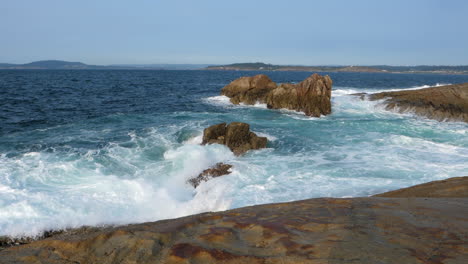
(222, 100)
(143, 179)
(342, 91)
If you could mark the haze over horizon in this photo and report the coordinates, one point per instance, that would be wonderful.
(299, 32)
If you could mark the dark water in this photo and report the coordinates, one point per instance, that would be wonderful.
(97, 147)
(39, 99)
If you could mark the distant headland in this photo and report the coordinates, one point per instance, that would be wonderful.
(255, 66)
(68, 65)
(259, 66)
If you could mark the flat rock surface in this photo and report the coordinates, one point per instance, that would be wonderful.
(323, 230)
(441, 103)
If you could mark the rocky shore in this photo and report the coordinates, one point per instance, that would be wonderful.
(444, 103)
(311, 96)
(426, 223)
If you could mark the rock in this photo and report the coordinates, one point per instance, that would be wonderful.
(323, 230)
(219, 169)
(249, 90)
(214, 134)
(311, 96)
(442, 103)
(453, 187)
(236, 136)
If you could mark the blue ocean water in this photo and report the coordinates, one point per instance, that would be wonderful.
(114, 147)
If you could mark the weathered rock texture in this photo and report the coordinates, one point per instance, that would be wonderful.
(440, 103)
(355, 230)
(217, 170)
(236, 136)
(249, 90)
(311, 96)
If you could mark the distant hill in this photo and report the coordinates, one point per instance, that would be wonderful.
(55, 64)
(68, 65)
(50, 65)
(260, 66)
(255, 66)
(165, 66)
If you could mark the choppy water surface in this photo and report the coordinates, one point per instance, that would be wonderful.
(112, 147)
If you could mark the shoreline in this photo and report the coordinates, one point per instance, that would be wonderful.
(212, 237)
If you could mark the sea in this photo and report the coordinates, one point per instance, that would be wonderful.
(98, 147)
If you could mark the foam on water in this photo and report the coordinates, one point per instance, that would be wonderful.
(119, 184)
(222, 100)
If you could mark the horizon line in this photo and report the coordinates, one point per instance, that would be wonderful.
(223, 64)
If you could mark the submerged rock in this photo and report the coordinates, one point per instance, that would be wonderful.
(441, 103)
(236, 136)
(217, 170)
(311, 96)
(323, 230)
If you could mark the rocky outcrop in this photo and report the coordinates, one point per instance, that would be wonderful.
(249, 90)
(236, 136)
(217, 170)
(324, 230)
(442, 103)
(311, 96)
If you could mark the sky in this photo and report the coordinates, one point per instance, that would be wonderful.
(299, 32)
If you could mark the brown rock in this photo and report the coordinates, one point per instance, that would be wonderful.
(440, 103)
(219, 169)
(311, 96)
(214, 134)
(325, 230)
(249, 90)
(257, 142)
(236, 136)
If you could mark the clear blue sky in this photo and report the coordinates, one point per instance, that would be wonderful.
(359, 32)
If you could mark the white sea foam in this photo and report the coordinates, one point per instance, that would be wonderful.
(222, 100)
(343, 91)
(197, 140)
(115, 185)
(218, 100)
(268, 136)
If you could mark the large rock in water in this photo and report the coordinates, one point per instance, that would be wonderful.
(249, 90)
(441, 103)
(324, 230)
(311, 96)
(236, 136)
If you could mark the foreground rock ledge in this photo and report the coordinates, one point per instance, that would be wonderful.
(324, 230)
(311, 96)
(444, 103)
